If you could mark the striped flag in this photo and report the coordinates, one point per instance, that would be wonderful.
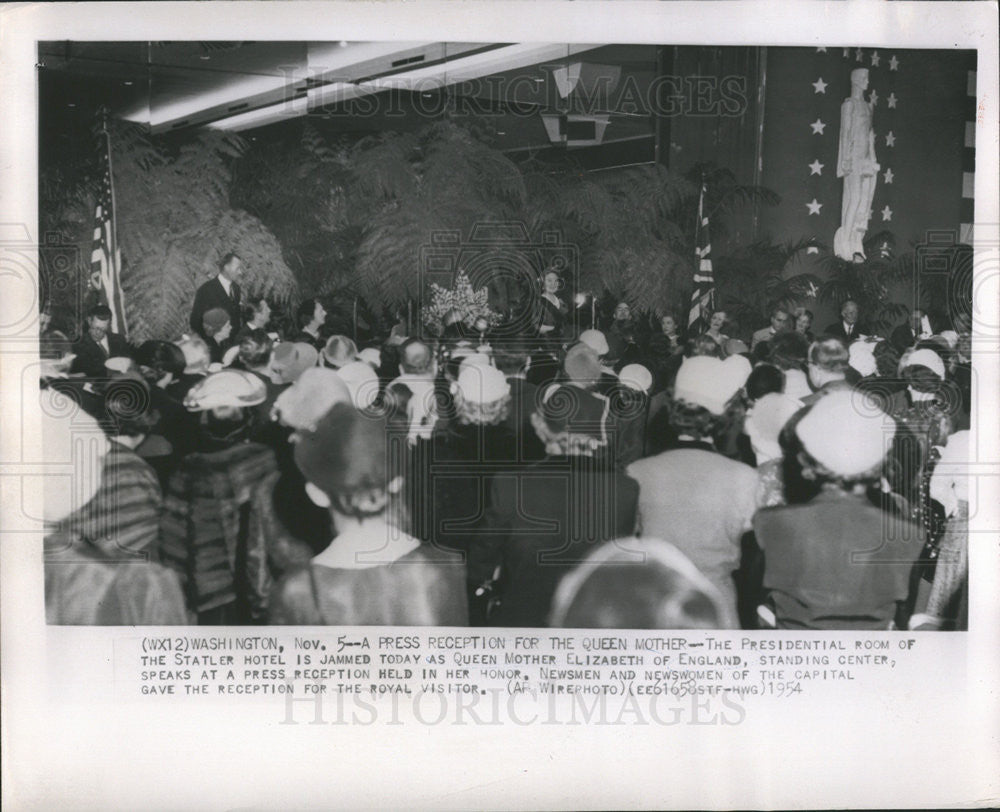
(703, 295)
(105, 259)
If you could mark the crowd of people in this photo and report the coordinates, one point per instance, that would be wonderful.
(577, 478)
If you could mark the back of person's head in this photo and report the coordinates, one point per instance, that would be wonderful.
(100, 312)
(886, 359)
(789, 350)
(702, 345)
(638, 584)
(128, 407)
(345, 461)
(305, 312)
(255, 349)
(161, 358)
(829, 355)
(416, 357)
(510, 357)
(764, 379)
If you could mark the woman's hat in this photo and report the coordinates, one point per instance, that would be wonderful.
(709, 382)
(596, 340)
(924, 358)
(215, 319)
(639, 584)
(315, 392)
(346, 452)
(582, 365)
(843, 437)
(371, 356)
(361, 382)
(482, 384)
(339, 350)
(637, 377)
(229, 387)
(291, 359)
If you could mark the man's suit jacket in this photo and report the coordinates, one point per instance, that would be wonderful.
(212, 294)
(90, 356)
(836, 330)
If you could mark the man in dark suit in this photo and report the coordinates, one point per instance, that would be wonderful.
(222, 291)
(98, 344)
(912, 331)
(311, 316)
(848, 329)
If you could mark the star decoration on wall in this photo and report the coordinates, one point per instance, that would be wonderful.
(814, 206)
(816, 168)
(873, 98)
(893, 63)
(819, 85)
(886, 214)
(888, 175)
(859, 55)
(812, 290)
(821, 50)
(891, 101)
(818, 126)
(890, 139)
(875, 59)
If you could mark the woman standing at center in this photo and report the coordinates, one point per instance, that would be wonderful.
(372, 573)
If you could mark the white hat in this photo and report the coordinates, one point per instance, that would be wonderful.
(482, 384)
(596, 340)
(951, 337)
(475, 359)
(228, 387)
(230, 355)
(707, 382)
(362, 383)
(74, 448)
(737, 369)
(312, 395)
(371, 355)
(765, 421)
(636, 376)
(843, 437)
(862, 357)
(925, 358)
(118, 363)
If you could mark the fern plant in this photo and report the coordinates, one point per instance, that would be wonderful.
(175, 223)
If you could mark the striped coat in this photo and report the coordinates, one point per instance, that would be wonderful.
(205, 518)
(121, 522)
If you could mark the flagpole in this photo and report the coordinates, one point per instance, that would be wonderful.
(119, 293)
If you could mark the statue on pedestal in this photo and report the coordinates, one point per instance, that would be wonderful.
(856, 164)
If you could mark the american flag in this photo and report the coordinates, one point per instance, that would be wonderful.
(703, 296)
(105, 259)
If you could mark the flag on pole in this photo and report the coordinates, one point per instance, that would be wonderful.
(703, 295)
(105, 258)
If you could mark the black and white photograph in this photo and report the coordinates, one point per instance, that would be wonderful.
(651, 364)
(405, 334)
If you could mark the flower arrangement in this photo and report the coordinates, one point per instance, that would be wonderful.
(463, 303)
